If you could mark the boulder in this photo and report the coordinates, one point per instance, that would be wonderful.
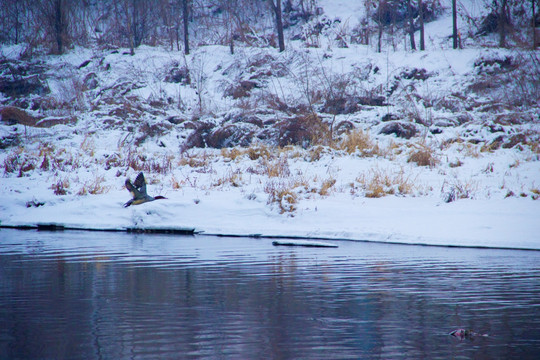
(401, 129)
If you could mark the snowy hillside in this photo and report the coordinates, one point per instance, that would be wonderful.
(328, 139)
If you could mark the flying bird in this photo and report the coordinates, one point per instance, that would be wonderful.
(138, 191)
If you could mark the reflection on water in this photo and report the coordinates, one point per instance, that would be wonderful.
(78, 295)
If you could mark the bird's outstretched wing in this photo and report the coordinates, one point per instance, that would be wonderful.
(132, 189)
(140, 183)
(137, 190)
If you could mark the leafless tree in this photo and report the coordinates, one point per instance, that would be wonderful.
(12, 14)
(503, 22)
(421, 16)
(276, 7)
(185, 17)
(411, 24)
(379, 22)
(454, 24)
(533, 23)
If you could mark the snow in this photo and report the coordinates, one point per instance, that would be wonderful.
(486, 222)
(231, 196)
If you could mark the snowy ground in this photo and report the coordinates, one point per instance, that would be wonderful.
(472, 193)
(225, 198)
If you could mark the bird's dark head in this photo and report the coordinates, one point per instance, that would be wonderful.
(159, 197)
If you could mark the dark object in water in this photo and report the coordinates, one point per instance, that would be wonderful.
(50, 227)
(177, 231)
(468, 334)
(303, 243)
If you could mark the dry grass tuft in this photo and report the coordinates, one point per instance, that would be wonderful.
(176, 184)
(315, 153)
(359, 141)
(304, 130)
(232, 153)
(456, 163)
(60, 187)
(378, 183)
(471, 150)
(19, 162)
(88, 145)
(233, 178)
(94, 187)
(326, 186)
(458, 189)
(276, 168)
(282, 194)
(423, 156)
(201, 161)
(259, 151)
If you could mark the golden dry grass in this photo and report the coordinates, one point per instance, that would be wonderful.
(378, 183)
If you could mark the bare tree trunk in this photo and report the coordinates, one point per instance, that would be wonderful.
(379, 28)
(279, 23)
(379, 38)
(422, 40)
(533, 25)
(230, 32)
(18, 23)
(411, 25)
(186, 27)
(133, 32)
(454, 24)
(502, 24)
(59, 26)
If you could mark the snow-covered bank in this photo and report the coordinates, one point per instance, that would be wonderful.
(503, 223)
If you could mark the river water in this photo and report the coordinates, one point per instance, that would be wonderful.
(89, 295)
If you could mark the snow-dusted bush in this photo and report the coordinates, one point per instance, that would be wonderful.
(423, 155)
(283, 194)
(455, 189)
(381, 182)
(359, 142)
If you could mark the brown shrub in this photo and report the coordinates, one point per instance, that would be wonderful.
(424, 156)
(379, 183)
(231, 178)
(326, 186)
(60, 187)
(304, 130)
(94, 187)
(195, 160)
(147, 130)
(27, 165)
(361, 141)
(283, 195)
(343, 127)
(260, 151)
(232, 153)
(458, 189)
(11, 163)
(241, 89)
(230, 135)
(178, 74)
(278, 168)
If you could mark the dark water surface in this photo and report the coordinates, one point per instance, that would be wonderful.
(80, 295)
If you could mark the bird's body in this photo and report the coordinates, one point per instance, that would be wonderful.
(138, 191)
